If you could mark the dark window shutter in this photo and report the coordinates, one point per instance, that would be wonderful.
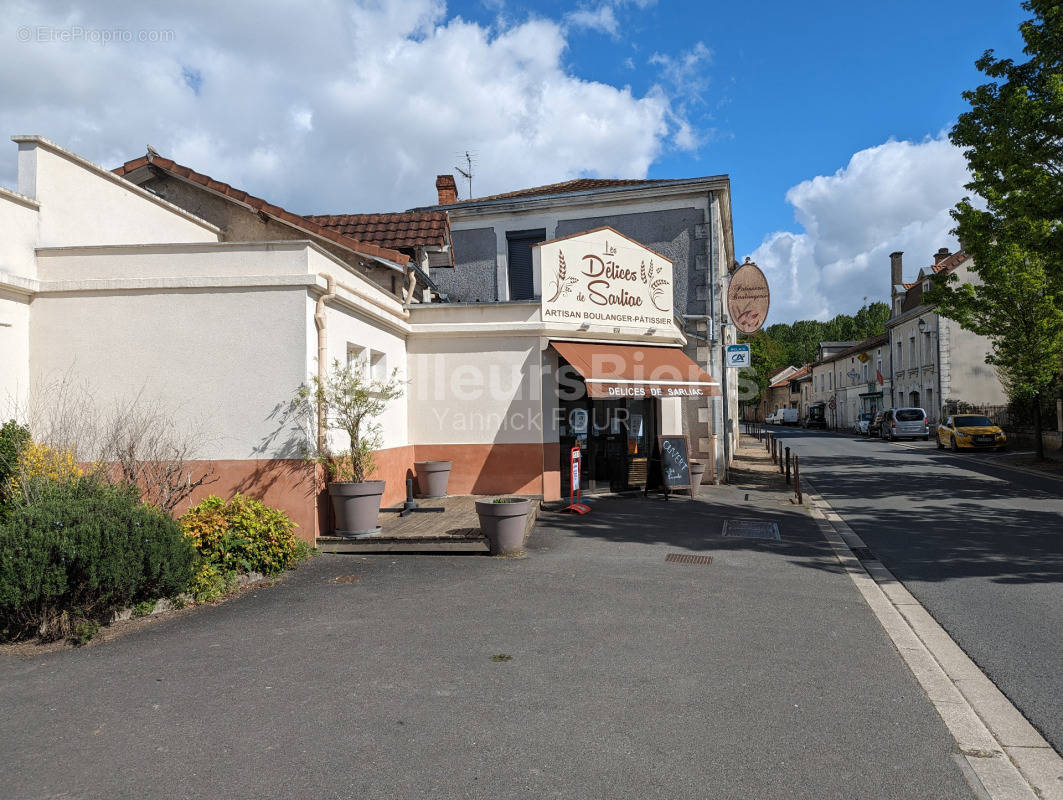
(521, 283)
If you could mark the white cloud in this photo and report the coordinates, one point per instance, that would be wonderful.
(349, 108)
(896, 196)
(602, 19)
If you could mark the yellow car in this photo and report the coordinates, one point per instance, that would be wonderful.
(970, 432)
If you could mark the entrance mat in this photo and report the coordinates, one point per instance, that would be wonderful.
(750, 529)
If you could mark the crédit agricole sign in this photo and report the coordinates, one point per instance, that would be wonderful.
(603, 278)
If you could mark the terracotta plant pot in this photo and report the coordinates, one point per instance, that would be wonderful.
(697, 471)
(432, 477)
(503, 523)
(357, 506)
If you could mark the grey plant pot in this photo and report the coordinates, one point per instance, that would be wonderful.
(357, 506)
(432, 477)
(697, 472)
(503, 524)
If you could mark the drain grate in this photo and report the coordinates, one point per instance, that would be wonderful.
(863, 553)
(750, 529)
(687, 558)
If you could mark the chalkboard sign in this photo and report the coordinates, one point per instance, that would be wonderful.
(675, 465)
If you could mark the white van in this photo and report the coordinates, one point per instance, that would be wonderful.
(782, 416)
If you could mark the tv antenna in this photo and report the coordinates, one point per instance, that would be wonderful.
(467, 173)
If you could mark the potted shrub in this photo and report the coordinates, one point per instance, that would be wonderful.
(697, 472)
(502, 520)
(347, 402)
(432, 477)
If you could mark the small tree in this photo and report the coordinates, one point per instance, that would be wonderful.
(348, 402)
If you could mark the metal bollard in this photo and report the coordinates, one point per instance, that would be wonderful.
(797, 479)
(780, 457)
(787, 464)
(774, 449)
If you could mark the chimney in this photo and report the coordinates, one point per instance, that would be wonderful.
(941, 255)
(446, 189)
(896, 272)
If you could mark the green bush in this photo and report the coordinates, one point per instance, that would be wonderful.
(242, 535)
(13, 438)
(82, 549)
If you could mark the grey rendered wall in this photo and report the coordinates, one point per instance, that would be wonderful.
(472, 278)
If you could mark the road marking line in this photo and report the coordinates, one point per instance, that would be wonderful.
(969, 458)
(1007, 754)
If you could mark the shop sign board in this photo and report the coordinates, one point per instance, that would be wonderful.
(675, 463)
(603, 278)
(738, 355)
(748, 298)
(575, 506)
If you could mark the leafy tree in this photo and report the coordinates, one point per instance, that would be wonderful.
(1013, 141)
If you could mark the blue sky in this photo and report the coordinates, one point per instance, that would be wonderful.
(793, 90)
(829, 117)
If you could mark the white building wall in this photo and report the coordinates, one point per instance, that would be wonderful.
(475, 389)
(85, 204)
(19, 219)
(223, 361)
(14, 352)
(352, 335)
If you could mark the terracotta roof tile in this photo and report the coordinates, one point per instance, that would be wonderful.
(406, 229)
(257, 203)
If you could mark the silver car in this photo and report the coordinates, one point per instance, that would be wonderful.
(860, 426)
(905, 423)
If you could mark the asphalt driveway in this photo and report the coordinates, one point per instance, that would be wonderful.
(591, 668)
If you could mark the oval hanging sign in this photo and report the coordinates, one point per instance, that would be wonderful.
(748, 298)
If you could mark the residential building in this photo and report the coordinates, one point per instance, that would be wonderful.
(934, 360)
(851, 378)
(778, 393)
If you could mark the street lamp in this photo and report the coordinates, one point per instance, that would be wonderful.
(922, 325)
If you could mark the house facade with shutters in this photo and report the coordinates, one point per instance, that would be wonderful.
(935, 362)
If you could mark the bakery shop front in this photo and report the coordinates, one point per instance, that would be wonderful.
(614, 398)
(505, 390)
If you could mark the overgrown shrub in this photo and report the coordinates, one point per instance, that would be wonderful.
(242, 535)
(81, 549)
(38, 467)
(13, 439)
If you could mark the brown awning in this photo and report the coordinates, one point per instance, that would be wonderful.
(629, 370)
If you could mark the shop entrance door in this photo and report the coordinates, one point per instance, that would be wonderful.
(615, 437)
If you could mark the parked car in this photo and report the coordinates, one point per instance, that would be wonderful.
(816, 416)
(874, 428)
(905, 423)
(970, 431)
(862, 423)
(782, 416)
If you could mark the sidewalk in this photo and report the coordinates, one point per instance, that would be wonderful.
(596, 667)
